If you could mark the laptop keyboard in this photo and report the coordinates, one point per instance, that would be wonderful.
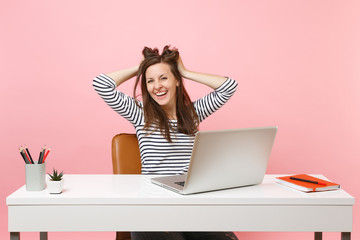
(182, 183)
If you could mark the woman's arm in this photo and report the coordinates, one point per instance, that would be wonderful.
(118, 101)
(123, 75)
(211, 80)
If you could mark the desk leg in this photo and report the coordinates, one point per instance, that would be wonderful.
(43, 235)
(345, 235)
(14, 236)
(318, 235)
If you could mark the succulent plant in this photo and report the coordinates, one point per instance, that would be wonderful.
(55, 176)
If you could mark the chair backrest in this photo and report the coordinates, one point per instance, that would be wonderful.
(125, 154)
(126, 160)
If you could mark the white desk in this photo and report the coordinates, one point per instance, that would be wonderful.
(132, 203)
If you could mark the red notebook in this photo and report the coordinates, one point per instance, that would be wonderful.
(305, 186)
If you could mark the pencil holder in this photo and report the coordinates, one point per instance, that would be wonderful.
(35, 176)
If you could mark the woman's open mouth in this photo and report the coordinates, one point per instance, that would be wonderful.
(161, 94)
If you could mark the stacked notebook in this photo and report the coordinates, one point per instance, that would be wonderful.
(307, 183)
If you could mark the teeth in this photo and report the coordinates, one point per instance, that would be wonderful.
(160, 94)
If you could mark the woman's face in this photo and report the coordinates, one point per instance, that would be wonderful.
(161, 85)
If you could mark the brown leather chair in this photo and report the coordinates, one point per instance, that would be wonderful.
(126, 160)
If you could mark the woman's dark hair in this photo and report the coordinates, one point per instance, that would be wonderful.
(155, 116)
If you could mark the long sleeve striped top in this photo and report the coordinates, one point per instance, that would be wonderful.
(158, 156)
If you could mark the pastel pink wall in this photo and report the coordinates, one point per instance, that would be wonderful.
(297, 64)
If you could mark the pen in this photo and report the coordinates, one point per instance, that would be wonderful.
(305, 180)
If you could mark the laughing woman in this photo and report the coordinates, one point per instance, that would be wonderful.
(166, 119)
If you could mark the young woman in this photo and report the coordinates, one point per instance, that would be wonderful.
(166, 120)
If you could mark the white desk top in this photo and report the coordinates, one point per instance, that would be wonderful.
(137, 189)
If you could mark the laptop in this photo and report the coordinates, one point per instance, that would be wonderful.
(224, 159)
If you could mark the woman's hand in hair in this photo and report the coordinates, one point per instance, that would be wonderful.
(181, 67)
(211, 80)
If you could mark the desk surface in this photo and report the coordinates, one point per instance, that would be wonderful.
(132, 202)
(137, 189)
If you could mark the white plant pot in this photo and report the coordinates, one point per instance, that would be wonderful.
(55, 186)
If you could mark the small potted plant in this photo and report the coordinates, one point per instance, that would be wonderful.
(56, 182)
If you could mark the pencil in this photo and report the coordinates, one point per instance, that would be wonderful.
(47, 153)
(22, 155)
(27, 157)
(27, 150)
(42, 155)
(39, 161)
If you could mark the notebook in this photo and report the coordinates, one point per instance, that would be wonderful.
(307, 183)
(224, 159)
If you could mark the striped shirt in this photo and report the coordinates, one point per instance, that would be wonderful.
(158, 156)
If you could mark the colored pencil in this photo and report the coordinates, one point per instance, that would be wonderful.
(43, 154)
(27, 157)
(39, 161)
(22, 155)
(47, 153)
(27, 150)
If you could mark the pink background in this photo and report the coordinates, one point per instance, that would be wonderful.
(297, 64)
